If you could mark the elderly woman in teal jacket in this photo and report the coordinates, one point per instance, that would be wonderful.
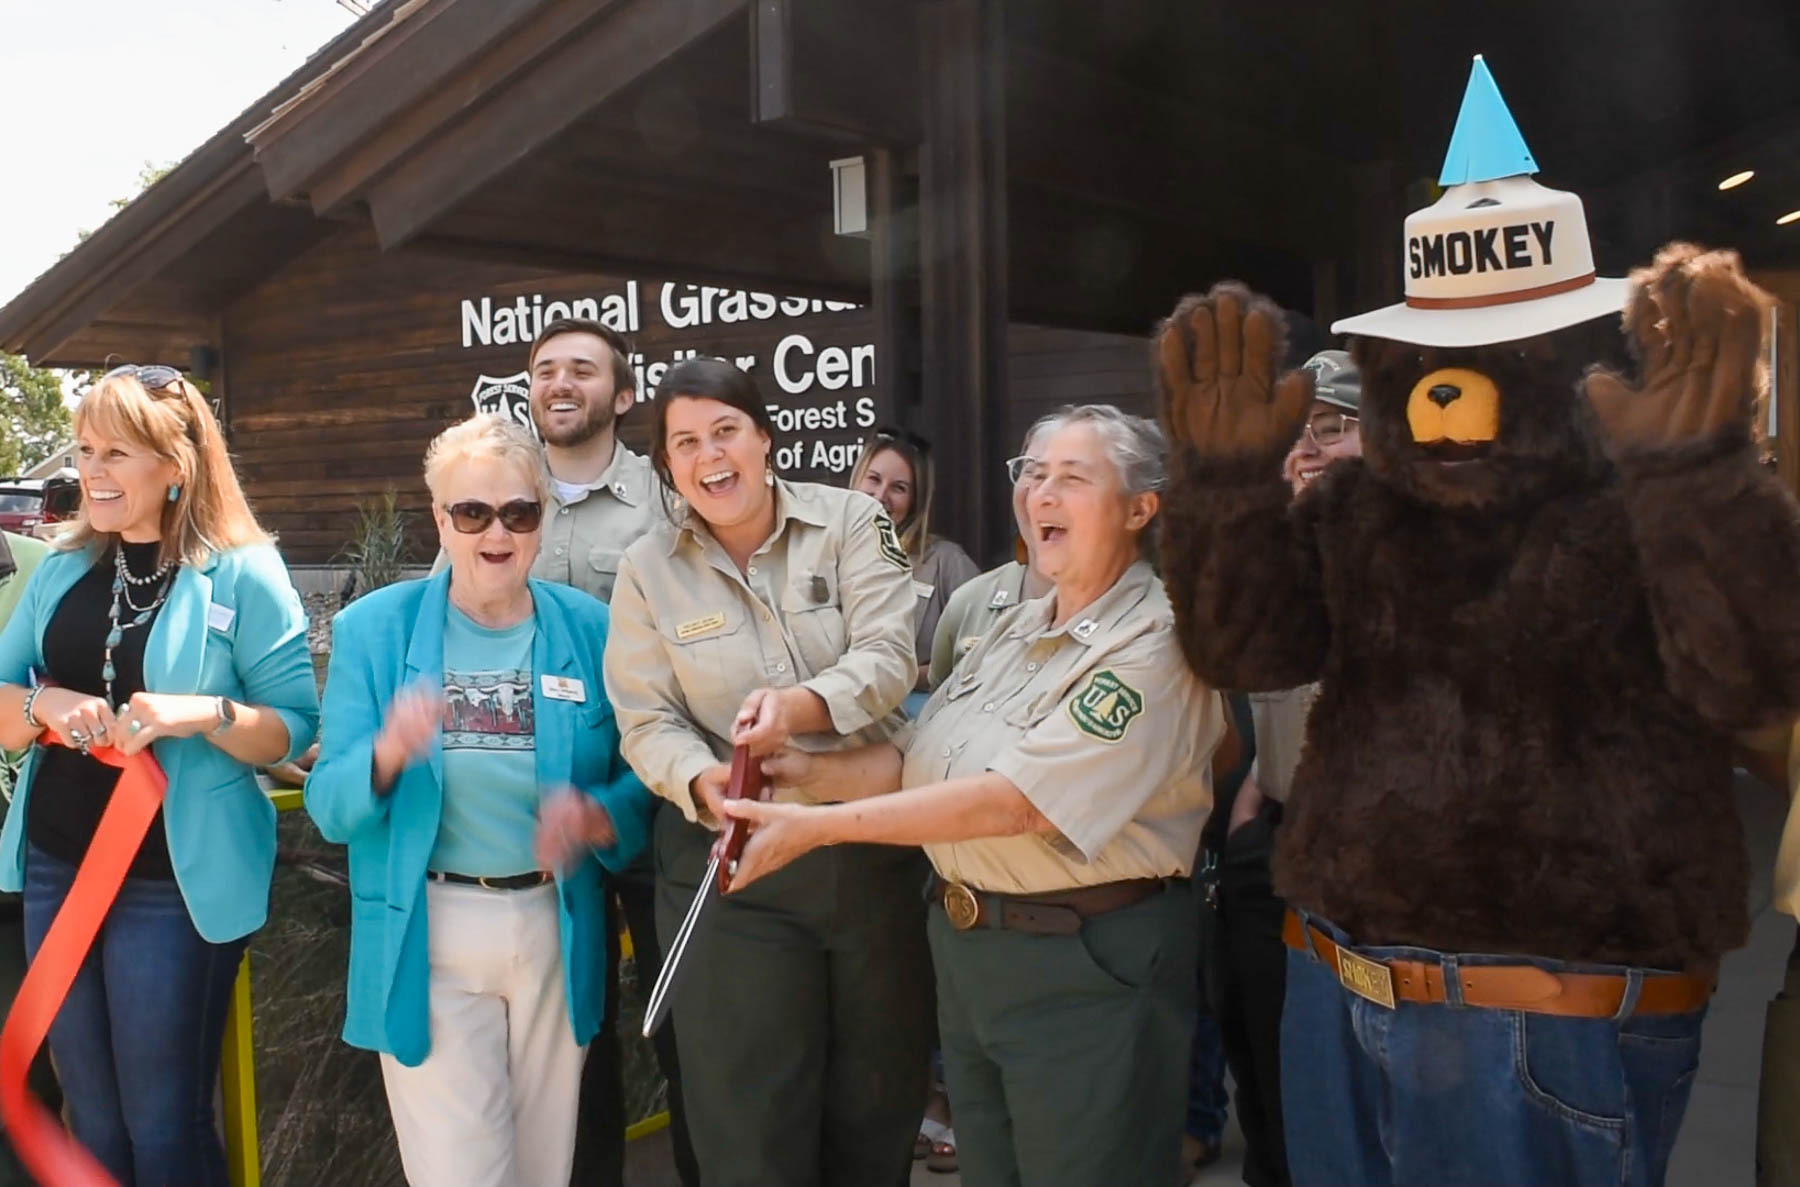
(470, 760)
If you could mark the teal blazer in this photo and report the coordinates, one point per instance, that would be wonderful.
(231, 627)
(380, 644)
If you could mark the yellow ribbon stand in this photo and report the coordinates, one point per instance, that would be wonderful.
(237, 1064)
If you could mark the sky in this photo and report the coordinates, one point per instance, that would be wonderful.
(92, 90)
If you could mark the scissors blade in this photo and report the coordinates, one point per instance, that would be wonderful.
(658, 1006)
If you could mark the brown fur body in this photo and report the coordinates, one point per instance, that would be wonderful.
(1530, 665)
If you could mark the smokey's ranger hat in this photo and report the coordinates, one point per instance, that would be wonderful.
(1498, 256)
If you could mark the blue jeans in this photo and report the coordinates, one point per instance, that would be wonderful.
(1446, 1094)
(136, 1043)
(1208, 1102)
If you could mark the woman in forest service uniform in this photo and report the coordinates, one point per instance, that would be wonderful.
(770, 613)
(1058, 782)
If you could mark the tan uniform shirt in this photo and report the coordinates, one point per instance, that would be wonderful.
(1098, 722)
(1280, 722)
(584, 539)
(971, 612)
(826, 603)
(943, 570)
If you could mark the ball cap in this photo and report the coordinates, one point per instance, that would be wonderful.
(1498, 257)
(1336, 380)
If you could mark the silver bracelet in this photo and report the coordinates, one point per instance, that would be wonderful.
(31, 700)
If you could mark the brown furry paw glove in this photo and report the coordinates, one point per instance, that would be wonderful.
(1218, 358)
(1695, 323)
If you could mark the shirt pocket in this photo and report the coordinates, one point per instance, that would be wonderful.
(603, 567)
(708, 650)
(812, 615)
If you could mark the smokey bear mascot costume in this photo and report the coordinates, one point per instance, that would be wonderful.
(1538, 607)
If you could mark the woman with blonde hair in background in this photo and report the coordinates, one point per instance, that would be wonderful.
(895, 469)
(165, 621)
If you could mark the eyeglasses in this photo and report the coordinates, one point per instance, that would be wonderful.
(1328, 428)
(520, 516)
(1024, 468)
(154, 377)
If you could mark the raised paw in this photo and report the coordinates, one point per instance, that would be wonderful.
(1218, 360)
(1696, 323)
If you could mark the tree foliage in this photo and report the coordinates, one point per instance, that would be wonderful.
(34, 421)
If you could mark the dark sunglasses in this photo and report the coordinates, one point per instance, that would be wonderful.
(518, 517)
(154, 377)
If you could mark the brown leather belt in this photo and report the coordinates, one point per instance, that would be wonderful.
(1051, 913)
(1499, 987)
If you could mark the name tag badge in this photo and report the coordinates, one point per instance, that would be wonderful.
(923, 590)
(220, 618)
(564, 688)
(696, 627)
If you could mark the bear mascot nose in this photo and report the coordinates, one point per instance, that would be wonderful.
(1444, 394)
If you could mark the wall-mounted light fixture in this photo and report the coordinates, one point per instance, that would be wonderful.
(850, 197)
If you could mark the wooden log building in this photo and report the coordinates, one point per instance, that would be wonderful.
(368, 248)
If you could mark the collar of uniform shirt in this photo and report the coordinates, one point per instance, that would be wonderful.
(1107, 609)
(623, 477)
(790, 503)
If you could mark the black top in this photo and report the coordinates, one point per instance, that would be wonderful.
(69, 790)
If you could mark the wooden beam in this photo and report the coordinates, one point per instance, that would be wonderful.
(963, 268)
(841, 70)
(499, 63)
(1075, 130)
(409, 61)
(569, 79)
(894, 283)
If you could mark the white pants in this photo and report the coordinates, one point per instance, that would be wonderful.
(494, 1103)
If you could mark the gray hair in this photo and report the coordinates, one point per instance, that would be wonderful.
(486, 434)
(1134, 444)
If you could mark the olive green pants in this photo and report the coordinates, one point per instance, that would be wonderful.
(803, 1014)
(1066, 1057)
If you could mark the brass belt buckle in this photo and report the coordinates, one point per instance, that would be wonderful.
(961, 906)
(1367, 979)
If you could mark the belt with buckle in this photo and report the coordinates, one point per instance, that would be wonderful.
(1523, 987)
(509, 882)
(1051, 913)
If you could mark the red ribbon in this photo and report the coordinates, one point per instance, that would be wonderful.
(53, 1157)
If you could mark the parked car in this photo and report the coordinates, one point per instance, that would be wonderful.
(38, 506)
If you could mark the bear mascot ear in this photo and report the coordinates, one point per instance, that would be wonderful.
(1696, 323)
(1218, 361)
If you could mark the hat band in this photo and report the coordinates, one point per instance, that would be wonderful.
(1512, 298)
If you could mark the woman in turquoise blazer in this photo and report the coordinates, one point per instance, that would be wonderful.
(476, 971)
(165, 620)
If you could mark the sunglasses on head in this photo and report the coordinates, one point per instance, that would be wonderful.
(892, 434)
(154, 377)
(519, 517)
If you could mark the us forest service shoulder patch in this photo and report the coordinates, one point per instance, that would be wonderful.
(1105, 707)
(890, 542)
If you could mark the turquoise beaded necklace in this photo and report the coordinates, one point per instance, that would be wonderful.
(123, 582)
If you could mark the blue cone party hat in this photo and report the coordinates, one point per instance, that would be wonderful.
(1486, 145)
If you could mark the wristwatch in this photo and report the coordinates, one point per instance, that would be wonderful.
(227, 717)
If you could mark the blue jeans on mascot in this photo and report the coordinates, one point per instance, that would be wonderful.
(1457, 1094)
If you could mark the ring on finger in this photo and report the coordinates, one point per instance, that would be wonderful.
(135, 726)
(78, 735)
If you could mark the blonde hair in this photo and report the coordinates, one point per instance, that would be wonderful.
(915, 529)
(209, 513)
(488, 435)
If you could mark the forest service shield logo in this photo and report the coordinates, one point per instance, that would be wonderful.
(1105, 707)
